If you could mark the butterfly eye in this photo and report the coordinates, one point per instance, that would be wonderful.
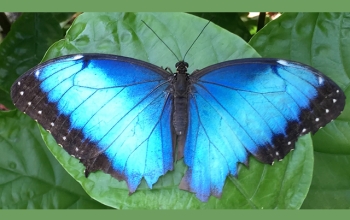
(181, 66)
(181, 63)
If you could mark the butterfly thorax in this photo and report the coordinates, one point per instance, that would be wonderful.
(180, 92)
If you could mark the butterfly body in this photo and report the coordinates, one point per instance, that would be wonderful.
(126, 117)
(180, 93)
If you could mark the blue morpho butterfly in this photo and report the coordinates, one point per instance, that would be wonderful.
(130, 118)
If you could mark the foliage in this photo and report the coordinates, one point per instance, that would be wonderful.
(32, 178)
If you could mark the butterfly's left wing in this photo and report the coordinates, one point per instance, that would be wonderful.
(111, 112)
(251, 106)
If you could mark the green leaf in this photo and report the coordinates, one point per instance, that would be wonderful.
(24, 46)
(321, 40)
(283, 185)
(230, 21)
(330, 183)
(30, 177)
(63, 16)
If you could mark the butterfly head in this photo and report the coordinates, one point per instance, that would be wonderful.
(181, 67)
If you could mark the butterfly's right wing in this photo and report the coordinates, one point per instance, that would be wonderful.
(111, 112)
(251, 106)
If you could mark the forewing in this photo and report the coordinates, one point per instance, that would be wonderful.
(111, 112)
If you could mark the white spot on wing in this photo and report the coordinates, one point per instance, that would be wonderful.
(283, 62)
(334, 100)
(303, 130)
(327, 110)
(37, 73)
(277, 153)
(77, 57)
(320, 80)
(337, 91)
(29, 103)
(39, 112)
(289, 143)
(52, 124)
(76, 149)
(19, 83)
(21, 92)
(64, 138)
(317, 119)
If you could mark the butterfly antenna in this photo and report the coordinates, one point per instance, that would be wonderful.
(160, 39)
(196, 39)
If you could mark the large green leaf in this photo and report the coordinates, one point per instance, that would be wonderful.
(283, 185)
(24, 46)
(30, 177)
(321, 40)
(230, 21)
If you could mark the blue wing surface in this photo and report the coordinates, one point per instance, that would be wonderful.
(111, 112)
(251, 106)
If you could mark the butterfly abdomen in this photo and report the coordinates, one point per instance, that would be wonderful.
(180, 115)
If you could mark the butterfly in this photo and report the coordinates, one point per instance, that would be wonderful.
(131, 119)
